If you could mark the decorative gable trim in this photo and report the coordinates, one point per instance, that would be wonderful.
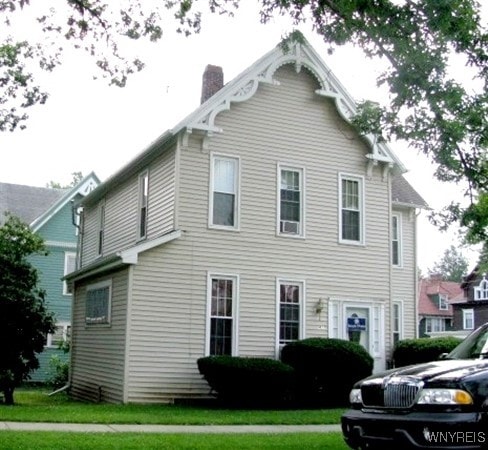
(245, 86)
(83, 188)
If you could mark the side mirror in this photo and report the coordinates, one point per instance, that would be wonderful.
(443, 356)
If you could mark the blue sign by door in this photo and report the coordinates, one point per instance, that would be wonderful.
(356, 324)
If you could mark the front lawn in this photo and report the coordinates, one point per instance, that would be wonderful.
(34, 405)
(81, 441)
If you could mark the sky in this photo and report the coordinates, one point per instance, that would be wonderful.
(88, 126)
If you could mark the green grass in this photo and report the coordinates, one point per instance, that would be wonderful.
(34, 405)
(79, 441)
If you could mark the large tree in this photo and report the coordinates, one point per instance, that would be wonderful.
(24, 319)
(453, 266)
(419, 40)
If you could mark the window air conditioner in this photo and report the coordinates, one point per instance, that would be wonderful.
(289, 227)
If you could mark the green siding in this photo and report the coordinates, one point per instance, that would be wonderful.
(61, 231)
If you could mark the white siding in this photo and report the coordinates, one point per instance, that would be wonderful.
(404, 278)
(97, 351)
(286, 124)
(121, 210)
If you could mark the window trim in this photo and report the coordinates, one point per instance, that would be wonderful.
(67, 255)
(66, 334)
(143, 185)
(92, 287)
(302, 304)
(301, 224)
(399, 304)
(237, 193)
(445, 302)
(362, 221)
(481, 290)
(441, 324)
(101, 228)
(465, 313)
(235, 309)
(399, 239)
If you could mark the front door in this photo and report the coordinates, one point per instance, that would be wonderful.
(358, 326)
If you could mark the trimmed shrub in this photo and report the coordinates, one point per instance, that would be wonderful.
(415, 351)
(247, 381)
(326, 369)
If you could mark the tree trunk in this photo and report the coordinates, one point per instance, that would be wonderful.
(8, 393)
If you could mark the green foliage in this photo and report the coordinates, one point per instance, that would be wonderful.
(58, 372)
(24, 319)
(247, 381)
(419, 40)
(415, 351)
(77, 177)
(453, 266)
(326, 369)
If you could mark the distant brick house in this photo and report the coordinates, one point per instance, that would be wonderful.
(436, 300)
(473, 312)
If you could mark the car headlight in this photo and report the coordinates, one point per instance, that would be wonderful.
(444, 397)
(355, 396)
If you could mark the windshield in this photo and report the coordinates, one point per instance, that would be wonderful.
(473, 346)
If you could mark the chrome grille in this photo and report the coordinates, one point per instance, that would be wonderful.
(401, 395)
(392, 392)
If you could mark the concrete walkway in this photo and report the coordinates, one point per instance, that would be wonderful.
(215, 429)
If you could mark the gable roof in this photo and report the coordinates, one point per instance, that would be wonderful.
(82, 189)
(26, 202)
(403, 194)
(36, 205)
(434, 286)
(240, 89)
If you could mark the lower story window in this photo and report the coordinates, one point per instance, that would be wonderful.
(397, 322)
(222, 301)
(290, 299)
(60, 336)
(98, 303)
(434, 324)
(468, 319)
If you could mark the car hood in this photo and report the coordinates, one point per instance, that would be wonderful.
(444, 370)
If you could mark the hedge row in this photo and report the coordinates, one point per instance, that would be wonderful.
(312, 372)
(415, 351)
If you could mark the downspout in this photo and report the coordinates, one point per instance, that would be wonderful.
(62, 389)
(416, 278)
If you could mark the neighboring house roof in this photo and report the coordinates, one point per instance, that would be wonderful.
(36, 205)
(402, 193)
(26, 202)
(430, 288)
(243, 87)
(472, 277)
(81, 190)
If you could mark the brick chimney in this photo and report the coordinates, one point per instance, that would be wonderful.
(212, 81)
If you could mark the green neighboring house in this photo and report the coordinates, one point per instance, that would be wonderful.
(49, 212)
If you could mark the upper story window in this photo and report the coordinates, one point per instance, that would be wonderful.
(351, 206)
(396, 240)
(481, 291)
(290, 311)
(290, 202)
(101, 227)
(98, 303)
(69, 266)
(224, 195)
(222, 303)
(143, 201)
(443, 304)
